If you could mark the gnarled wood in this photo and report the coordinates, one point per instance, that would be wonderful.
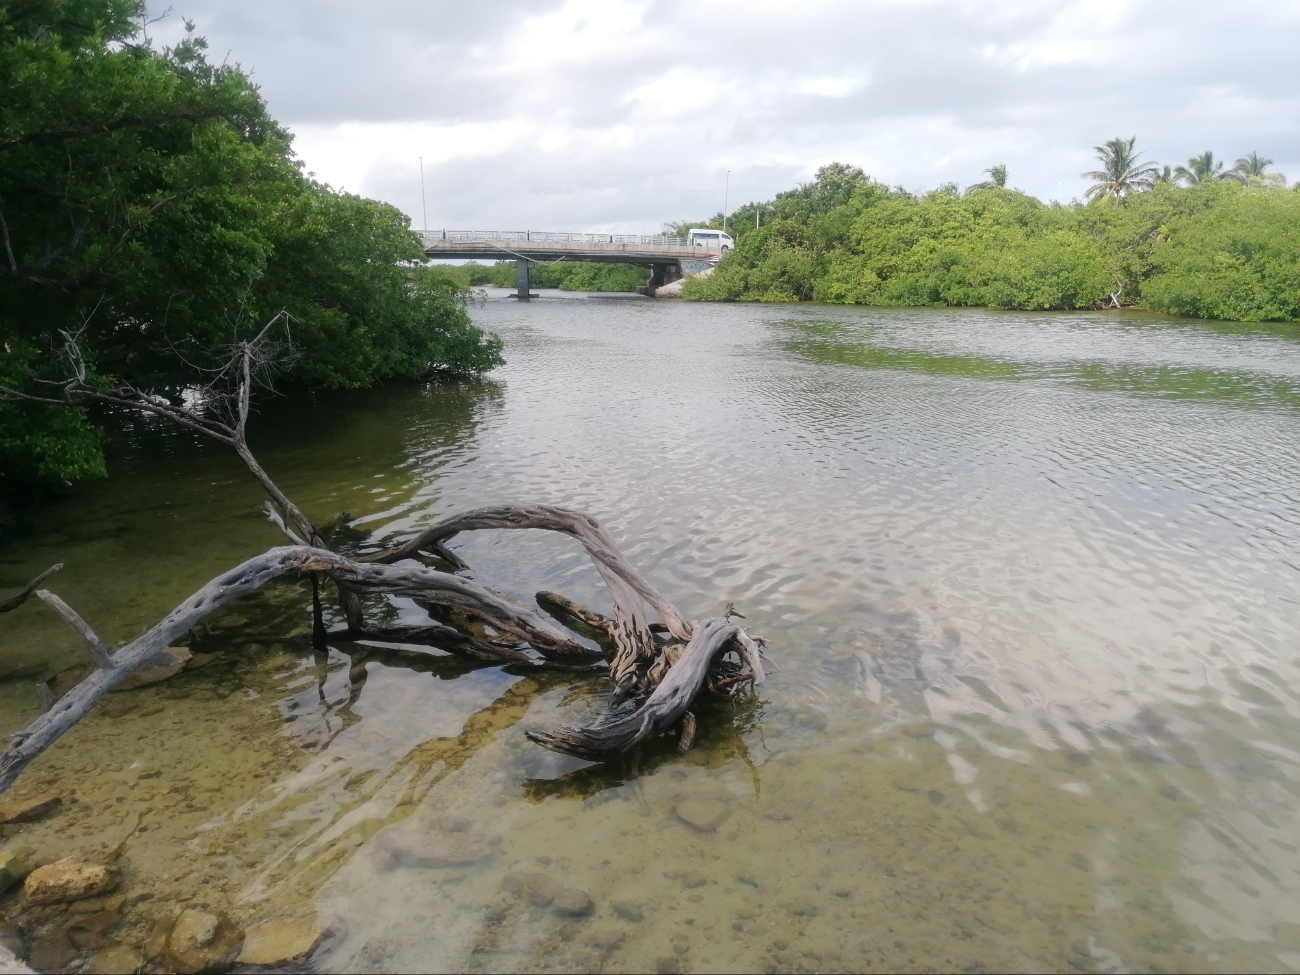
(629, 628)
(664, 708)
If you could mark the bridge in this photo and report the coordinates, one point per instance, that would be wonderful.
(663, 255)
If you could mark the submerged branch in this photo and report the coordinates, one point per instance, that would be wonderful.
(20, 597)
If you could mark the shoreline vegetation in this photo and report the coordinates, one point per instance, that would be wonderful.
(154, 215)
(1198, 240)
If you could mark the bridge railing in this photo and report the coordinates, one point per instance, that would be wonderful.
(515, 238)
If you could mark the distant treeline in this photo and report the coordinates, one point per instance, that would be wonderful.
(565, 275)
(1225, 246)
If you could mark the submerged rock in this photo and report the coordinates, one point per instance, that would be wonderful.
(200, 942)
(281, 942)
(160, 666)
(541, 891)
(702, 813)
(68, 879)
(92, 905)
(117, 960)
(571, 902)
(629, 912)
(12, 870)
(193, 929)
(416, 848)
(27, 810)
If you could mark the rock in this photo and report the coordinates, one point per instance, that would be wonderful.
(702, 813)
(84, 940)
(92, 904)
(155, 945)
(571, 902)
(281, 942)
(97, 923)
(27, 810)
(118, 960)
(606, 939)
(193, 929)
(536, 888)
(51, 954)
(12, 870)
(198, 660)
(201, 942)
(68, 879)
(415, 848)
(691, 879)
(160, 666)
(541, 891)
(629, 911)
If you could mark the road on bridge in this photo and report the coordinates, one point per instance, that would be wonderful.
(663, 255)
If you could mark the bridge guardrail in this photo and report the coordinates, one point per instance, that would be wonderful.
(515, 238)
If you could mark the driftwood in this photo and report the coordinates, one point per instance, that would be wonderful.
(656, 680)
(684, 671)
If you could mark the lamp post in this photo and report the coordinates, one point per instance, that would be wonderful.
(726, 199)
(424, 210)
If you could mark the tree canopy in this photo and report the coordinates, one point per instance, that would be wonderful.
(151, 205)
(1227, 249)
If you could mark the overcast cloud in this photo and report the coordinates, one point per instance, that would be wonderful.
(607, 115)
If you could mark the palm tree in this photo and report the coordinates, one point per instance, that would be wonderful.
(1164, 175)
(997, 178)
(1201, 169)
(1250, 169)
(1122, 171)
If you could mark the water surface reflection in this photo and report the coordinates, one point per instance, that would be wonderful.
(1030, 579)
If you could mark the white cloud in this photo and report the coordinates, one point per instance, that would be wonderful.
(612, 115)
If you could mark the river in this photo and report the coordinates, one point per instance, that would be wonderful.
(1030, 580)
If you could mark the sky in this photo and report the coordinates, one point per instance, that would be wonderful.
(619, 115)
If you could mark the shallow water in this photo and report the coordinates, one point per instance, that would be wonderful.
(1031, 581)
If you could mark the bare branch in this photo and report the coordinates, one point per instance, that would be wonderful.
(20, 597)
(273, 516)
(9, 250)
(103, 659)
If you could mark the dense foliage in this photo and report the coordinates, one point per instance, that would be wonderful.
(149, 203)
(1217, 248)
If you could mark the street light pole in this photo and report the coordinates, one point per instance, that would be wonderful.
(726, 199)
(424, 209)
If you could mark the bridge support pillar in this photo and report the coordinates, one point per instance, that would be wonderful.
(660, 275)
(522, 269)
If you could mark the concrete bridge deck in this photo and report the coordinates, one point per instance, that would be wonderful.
(663, 255)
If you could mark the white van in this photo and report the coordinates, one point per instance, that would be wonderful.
(714, 240)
